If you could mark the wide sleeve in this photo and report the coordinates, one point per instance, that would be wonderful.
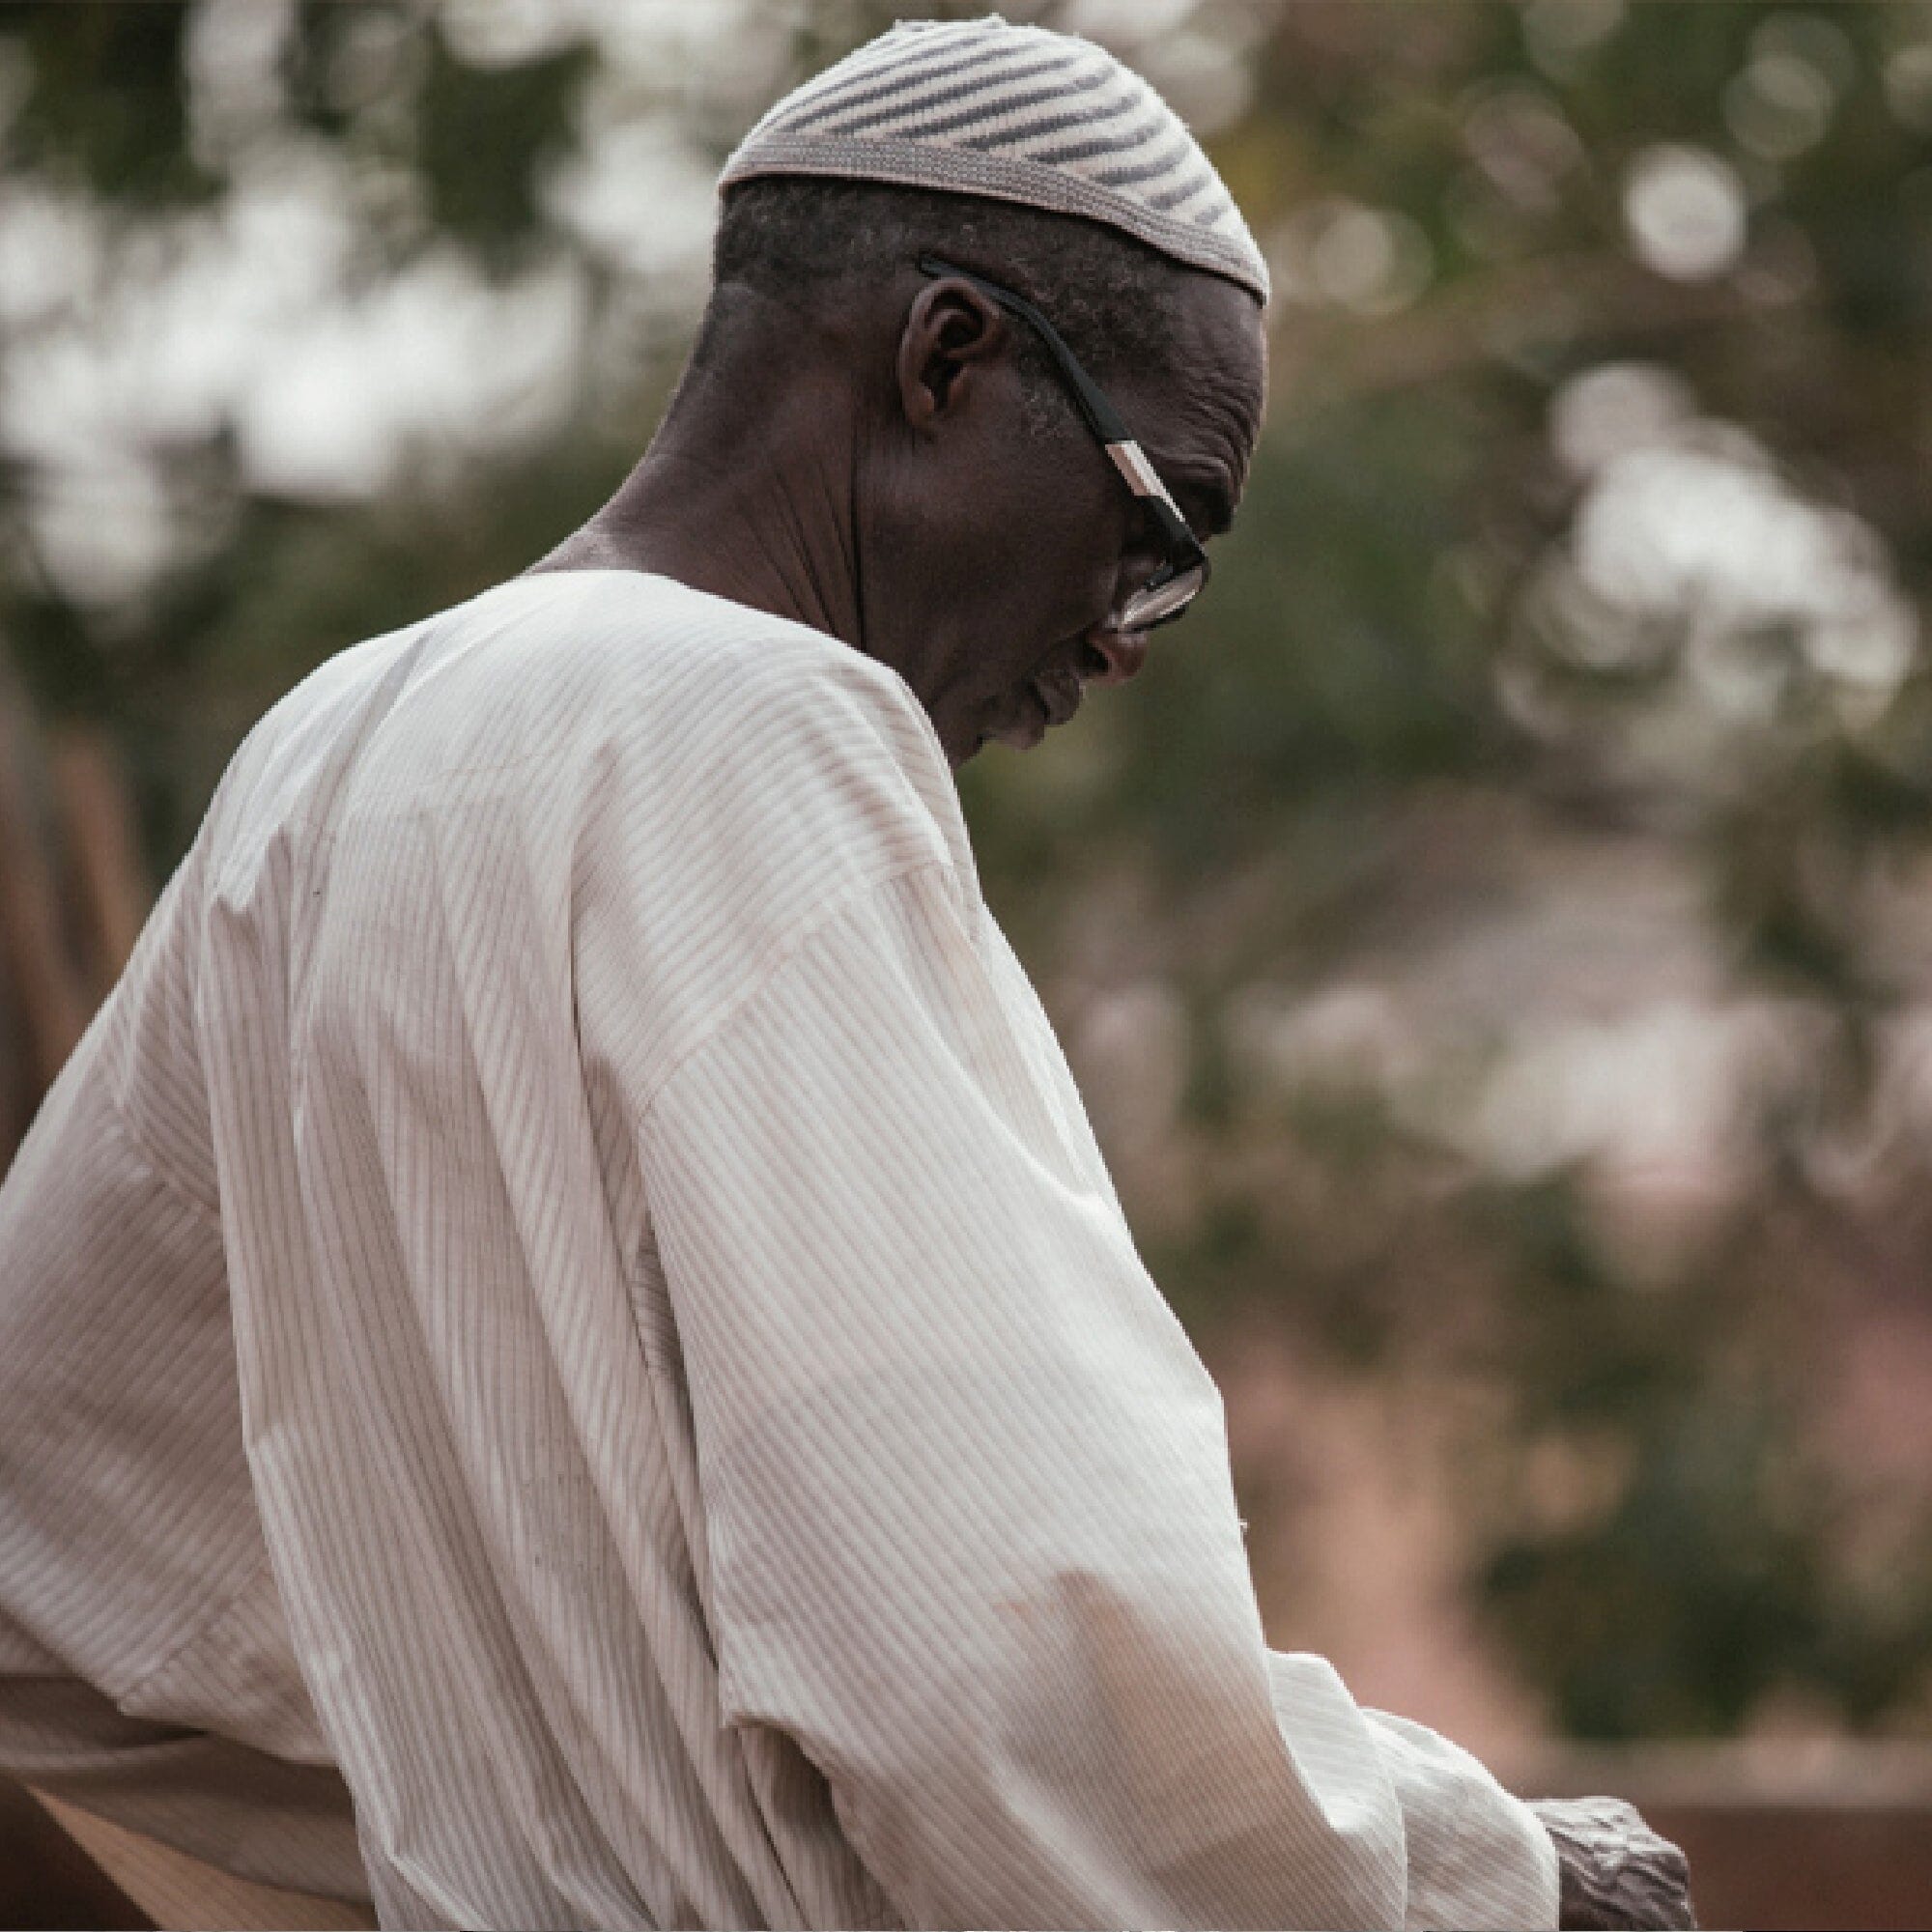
(146, 1674)
(972, 1537)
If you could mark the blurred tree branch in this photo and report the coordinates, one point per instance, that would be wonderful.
(1559, 302)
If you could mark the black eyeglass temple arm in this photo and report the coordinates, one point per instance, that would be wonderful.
(1101, 415)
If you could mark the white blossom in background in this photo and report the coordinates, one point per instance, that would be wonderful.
(263, 311)
(1691, 549)
(1343, 253)
(640, 198)
(1660, 1093)
(1787, 95)
(1665, 1092)
(51, 253)
(1562, 35)
(1685, 209)
(1351, 1039)
(1522, 144)
(233, 52)
(1780, 105)
(1615, 409)
(1131, 1049)
(1125, 26)
(509, 33)
(1714, 537)
(1908, 85)
(435, 357)
(103, 527)
(1203, 77)
(1814, 38)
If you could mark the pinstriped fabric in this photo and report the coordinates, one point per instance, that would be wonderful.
(985, 108)
(568, 1356)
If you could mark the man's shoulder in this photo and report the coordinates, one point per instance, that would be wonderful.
(739, 776)
(603, 711)
(642, 665)
(634, 625)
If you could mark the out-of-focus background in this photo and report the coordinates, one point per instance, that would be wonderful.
(1494, 935)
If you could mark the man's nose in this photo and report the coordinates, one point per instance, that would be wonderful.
(1125, 652)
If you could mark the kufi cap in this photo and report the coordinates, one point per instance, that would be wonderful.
(1018, 113)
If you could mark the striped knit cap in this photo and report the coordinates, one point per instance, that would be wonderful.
(1017, 113)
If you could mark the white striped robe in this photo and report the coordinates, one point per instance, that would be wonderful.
(570, 1284)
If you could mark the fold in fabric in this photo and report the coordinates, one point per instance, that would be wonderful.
(569, 1300)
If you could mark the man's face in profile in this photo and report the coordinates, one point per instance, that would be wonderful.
(1034, 543)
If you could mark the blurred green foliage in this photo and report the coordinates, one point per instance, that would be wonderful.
(1522, 710)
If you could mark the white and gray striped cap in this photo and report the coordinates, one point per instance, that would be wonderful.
(1019, 113)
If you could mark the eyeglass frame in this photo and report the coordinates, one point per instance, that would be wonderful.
(1185, 551)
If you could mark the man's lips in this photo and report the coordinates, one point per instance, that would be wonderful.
(1055, 696)
(1059, 692)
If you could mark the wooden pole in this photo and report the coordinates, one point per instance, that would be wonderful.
(174, 1891)
(90, 785)
(45, 979)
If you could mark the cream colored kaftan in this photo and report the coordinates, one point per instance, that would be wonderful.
(571, 1281)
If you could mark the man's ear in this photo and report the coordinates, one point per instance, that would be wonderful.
(950, 333)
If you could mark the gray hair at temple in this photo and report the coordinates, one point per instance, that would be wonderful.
(1035, 157)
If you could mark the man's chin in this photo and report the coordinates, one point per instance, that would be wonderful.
(1022, 731)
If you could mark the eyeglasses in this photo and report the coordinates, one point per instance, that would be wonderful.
(1179, 580)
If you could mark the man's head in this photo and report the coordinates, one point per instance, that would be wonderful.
(991, 541)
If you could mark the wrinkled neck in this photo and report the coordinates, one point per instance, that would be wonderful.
(749, 491)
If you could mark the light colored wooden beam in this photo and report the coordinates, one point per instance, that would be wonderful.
(182, 1895)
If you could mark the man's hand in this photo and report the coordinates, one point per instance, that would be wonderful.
(1617, 1872)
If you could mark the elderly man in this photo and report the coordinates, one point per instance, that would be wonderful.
(568, 1301)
